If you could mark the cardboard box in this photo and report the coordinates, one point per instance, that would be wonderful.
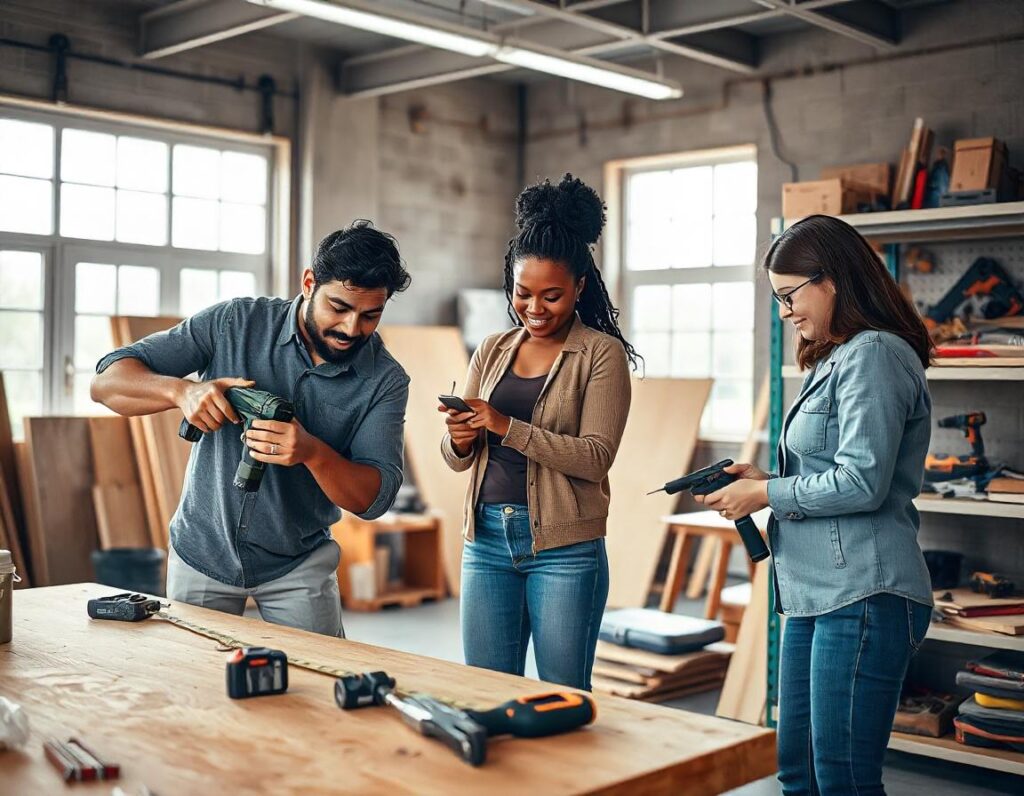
(876, 176)
(978, 163)
(833, 197)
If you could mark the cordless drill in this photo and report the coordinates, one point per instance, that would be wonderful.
(250, 405)
(466, 732)
(946, 467)
(711, 479)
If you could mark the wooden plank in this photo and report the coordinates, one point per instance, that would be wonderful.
(161, 455)
(652, 452)
(120, 516)
(629, 691)
(654, 660)
(434, 357)
(174, 730)
(11, 511)
(59, 461)
(745, 691)
(10, 535)
(27, 493)
(113, 459)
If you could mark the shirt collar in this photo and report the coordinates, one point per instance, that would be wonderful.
(363, 363)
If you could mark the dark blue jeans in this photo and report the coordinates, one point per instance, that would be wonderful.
(508, 593)
(839, 689)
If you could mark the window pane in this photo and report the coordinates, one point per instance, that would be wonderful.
(95, 288)
(243, 178)
(26, 148)
(141, 164)
(88, 157)
(138, 290)
(652, 308)
(691, 307)
(86, 212)
(692, 193)
(733, 354)
(734, 305)
(197, 290)
(237, 284)
(691, 354)
(195, 223)
(26, 205)
(196, 171)
(652, 244)
(24, 389)
(93, 339)
(731, 406)
(649, 196)
(694, 243)
(142, 218)
(735, 239)
(21, 280)
(736, 188)
(654, 348)
(242, 228)
(21, 339)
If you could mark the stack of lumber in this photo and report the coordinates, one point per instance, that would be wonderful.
(653, 677)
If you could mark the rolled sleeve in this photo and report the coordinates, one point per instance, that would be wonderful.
(379, 443)
(184, 349)
(874, 392)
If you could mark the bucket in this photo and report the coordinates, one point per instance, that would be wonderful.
(131, 569)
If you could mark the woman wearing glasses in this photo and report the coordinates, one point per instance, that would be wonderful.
(849, 573)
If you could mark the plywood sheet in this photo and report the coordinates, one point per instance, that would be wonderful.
(657, 446)
(113, 458)
(120, 516)
(745, 691)
(656, 661)
(434, 357)
(174, 730)
(59, 461)
(11, 512)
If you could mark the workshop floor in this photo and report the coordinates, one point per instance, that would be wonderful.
(433, 629)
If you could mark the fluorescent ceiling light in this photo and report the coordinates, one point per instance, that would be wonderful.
(611, 76)
(388, 23)
(363, 15)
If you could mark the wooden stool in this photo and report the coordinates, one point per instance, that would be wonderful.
(687, 529)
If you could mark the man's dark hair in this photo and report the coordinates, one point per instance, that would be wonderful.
(362, 256)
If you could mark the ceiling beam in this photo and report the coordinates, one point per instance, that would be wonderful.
(194, 23)
(870, 23)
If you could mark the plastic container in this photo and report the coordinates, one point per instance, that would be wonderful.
(131, 569)
(8, 577)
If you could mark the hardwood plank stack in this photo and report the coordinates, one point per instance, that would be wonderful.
(653, 677)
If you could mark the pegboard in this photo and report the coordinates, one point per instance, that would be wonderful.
(953, 258)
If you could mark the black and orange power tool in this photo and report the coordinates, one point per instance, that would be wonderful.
(947, 467)
(985, 281)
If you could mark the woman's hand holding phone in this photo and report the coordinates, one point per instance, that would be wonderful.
(463, 436)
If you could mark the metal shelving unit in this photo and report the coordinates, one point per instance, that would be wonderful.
(979, 222)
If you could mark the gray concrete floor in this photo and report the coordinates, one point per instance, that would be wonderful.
(433, 630)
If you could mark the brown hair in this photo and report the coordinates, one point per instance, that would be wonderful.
(867, 297)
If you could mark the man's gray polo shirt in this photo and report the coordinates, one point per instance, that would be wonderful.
(358, 408)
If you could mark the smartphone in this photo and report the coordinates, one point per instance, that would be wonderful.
(455, 402)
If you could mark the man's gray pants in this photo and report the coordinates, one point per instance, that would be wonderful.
(306, 598)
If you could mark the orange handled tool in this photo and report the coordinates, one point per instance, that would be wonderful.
(538, 715)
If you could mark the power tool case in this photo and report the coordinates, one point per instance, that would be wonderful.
(656, 631)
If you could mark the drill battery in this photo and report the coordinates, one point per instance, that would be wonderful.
(256, 671)
(124, 607)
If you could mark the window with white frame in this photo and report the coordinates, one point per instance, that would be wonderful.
(689, 235)
(102, 218)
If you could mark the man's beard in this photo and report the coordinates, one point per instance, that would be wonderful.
(324, 348)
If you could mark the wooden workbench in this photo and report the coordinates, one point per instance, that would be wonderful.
(151, 697)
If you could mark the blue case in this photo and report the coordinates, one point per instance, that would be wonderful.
(657, 631)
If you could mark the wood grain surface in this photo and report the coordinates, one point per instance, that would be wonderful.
(152, 697)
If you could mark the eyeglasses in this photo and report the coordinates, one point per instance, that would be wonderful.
(787, 297)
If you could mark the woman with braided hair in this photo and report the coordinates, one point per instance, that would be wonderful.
(549, 399)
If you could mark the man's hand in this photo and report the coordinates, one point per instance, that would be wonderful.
(205, 405)
(463, 436)
(738, 499)
(486, 416)
(274, 442)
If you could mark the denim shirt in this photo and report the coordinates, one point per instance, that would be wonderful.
(357, 408)
(851, 461)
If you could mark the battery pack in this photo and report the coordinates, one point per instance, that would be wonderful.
(256, 671)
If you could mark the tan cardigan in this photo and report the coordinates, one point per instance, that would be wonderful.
(571, 442)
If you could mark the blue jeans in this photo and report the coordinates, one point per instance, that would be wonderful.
(508, 593)
(839, 689)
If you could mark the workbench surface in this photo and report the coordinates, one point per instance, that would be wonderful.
(151, 696)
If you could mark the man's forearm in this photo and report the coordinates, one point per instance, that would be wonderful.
(130, 388)
(348, 485)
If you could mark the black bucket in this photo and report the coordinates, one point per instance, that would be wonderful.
(131, 569)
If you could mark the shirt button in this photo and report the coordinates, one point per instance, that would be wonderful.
(792, 516)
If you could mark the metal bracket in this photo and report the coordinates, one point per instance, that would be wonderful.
(59, 45)
(267, 88)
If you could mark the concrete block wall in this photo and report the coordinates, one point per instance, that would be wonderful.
(861, 113)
